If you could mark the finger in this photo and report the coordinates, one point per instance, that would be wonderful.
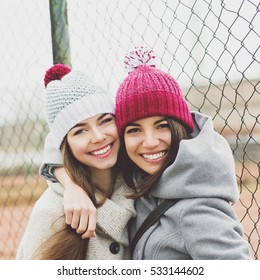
(88, 234)
(91, 226)
(83, 224)
(68, 217)
(75, 219)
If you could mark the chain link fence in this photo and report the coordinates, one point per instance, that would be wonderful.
(210, 46)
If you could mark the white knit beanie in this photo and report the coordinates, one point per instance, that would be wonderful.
(72, 97)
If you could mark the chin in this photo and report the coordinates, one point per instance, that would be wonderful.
(151, 171)
(108, 165)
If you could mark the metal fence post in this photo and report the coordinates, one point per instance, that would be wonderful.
(60, 32)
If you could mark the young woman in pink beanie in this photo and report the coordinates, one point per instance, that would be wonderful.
(170, 153)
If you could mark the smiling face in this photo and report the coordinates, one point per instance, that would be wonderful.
(147, 142)
(95, 142)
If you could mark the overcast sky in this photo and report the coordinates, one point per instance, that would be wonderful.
(102, 31)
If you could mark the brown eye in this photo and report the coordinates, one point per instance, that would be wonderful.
(106, 120)
(132, 130)
(164, 125)
(80, 131)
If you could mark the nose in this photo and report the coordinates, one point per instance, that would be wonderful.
(150, 140)
(97, 135)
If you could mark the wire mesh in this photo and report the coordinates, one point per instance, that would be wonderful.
(211, 47)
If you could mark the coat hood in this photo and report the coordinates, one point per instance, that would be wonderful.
(204, 167)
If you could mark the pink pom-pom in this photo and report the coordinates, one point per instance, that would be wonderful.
(56, 72)
(139, 56)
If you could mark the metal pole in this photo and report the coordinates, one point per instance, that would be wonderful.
(60, 32)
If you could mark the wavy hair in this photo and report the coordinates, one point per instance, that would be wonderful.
(67, 244)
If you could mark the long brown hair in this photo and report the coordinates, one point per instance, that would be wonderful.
(67, 244)
(129, 168)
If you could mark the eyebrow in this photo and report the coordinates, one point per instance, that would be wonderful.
(83, 123)
(102, 116)
(161, 120)
(156, 122)
(133, 124)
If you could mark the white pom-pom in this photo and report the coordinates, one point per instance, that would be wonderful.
(139, 56)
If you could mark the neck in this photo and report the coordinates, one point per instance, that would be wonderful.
(105, 179)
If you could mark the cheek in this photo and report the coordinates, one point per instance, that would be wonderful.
(131, 145)
(113, 132)
(168, 139)
(76, 147)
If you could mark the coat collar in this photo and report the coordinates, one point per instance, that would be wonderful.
(114, 215)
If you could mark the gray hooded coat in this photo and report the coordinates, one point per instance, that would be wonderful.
(203, 224)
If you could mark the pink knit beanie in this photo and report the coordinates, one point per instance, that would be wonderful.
(148, 91)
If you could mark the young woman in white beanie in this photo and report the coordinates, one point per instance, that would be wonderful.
(173, 154)
(82, 127)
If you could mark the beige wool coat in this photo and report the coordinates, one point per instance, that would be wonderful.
(111, 242)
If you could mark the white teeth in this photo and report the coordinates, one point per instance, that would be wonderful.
(101, 152)
(154, 156)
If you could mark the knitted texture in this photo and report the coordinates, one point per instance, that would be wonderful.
(147, 91)
(72, 97)
(48, 217)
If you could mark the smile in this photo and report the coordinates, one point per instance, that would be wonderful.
(155, 156)
(102, 151)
